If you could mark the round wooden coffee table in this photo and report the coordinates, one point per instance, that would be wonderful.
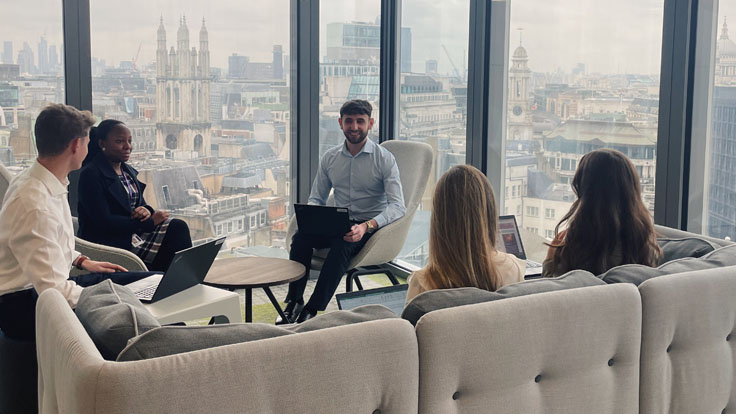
(254, 272)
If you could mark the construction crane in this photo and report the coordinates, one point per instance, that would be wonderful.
(457, 73)
(135, 58)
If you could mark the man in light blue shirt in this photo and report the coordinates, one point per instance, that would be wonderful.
(365, 179)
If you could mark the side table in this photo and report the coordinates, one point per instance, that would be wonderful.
(254, 272)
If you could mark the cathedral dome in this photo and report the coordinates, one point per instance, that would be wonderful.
(726, 47)
(520, 53)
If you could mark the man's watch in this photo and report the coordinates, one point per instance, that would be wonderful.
(370, 227)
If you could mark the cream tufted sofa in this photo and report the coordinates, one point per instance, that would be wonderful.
(668, 346)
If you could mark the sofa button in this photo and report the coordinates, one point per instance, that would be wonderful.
(669, 348)
(456, 395)
(610, 362)
(538, 378)
(376, 411)
(728, 338)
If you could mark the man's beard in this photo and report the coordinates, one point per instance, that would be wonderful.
(353, 139)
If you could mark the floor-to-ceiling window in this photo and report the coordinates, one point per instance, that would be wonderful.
(719, 212)
(31, 74)
(582, 75)
(349, 62)
(204, 89)
(433, 100)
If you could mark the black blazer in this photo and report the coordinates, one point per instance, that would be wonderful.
(103, 207)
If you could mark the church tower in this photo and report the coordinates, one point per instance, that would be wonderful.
(519, 102)
(183, 94)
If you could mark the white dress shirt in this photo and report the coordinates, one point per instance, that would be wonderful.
(37, 235)
(367, 184)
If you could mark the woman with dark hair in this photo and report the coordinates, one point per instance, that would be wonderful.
(111, 208)
(462, 238)
(608, 225)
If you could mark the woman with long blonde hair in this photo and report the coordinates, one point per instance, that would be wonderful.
(462, 237)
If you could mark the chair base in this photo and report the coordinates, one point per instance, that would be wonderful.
(353, 275)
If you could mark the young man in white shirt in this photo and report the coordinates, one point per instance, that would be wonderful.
(36, 231)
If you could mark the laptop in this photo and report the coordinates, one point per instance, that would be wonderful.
(392, 297)
(188, 268)
(509, 241)
(326, 221)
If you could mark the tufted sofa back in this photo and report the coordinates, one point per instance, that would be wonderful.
(688, 350)
(572, 351)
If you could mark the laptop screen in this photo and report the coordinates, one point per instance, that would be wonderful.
(509, 239)
(392, 297)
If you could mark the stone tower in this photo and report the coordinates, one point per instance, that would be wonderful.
(519, 125)
(183, 92)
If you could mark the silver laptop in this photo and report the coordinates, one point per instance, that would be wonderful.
(509, 241)
(392, 297)
(188, 268)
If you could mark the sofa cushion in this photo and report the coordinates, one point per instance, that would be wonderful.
(112, 314)
(432, 300)
(638, 274)
(169, 340)
(686, 247)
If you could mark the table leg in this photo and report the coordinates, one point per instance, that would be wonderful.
(248, 305)
(274, 302)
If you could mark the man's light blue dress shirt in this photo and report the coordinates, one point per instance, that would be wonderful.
(367, 184)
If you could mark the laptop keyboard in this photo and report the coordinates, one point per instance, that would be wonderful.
(146, 293)
(531, 263)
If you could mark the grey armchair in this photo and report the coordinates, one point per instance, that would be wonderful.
(414, 160)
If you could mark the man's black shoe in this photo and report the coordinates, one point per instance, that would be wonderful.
(293, 309)
(305, 315)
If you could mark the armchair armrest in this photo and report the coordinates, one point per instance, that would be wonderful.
(104, 253)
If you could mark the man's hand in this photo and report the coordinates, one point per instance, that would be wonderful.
(356, 233)
(141, 213)
(159, 216)
(102, 267)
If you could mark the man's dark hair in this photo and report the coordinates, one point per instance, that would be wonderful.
(58, 125)
(356, 107)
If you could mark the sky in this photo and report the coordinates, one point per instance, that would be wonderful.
(621, 36)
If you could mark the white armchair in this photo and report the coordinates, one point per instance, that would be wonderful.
(104, 253)
(414, 160)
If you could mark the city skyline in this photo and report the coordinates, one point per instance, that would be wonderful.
(595, 34)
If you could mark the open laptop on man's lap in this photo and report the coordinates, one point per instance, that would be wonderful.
(188, 268)
(326, 221)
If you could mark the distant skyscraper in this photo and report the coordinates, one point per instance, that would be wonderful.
(430, 67)
(278, 62)
(405, 49)
(43, 56)
(25, 59)
(236, 66)
(8, 52)
(183, 92)
(53, 59)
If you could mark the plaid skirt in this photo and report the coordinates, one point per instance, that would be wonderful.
(151, 242)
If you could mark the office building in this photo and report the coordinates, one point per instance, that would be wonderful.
(722, 188)
(7, 52)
